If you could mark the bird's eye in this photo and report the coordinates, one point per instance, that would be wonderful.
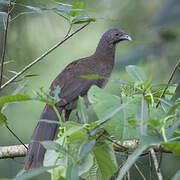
(116, 34)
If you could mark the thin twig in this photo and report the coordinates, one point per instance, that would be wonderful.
(158, 171)
(117, 144)
(43, 55)
(160, 159)
(4, 44)
(139, 171)
(170, 79)
(17, 137)
(150, 166)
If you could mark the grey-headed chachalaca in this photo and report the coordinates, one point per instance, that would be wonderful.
(72, 86)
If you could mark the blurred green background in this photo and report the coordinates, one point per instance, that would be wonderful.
(153, 25)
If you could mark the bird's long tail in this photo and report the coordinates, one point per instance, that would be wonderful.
(43, 131)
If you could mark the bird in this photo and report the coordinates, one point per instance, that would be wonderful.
(73, 85)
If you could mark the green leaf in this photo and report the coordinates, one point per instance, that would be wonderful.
(78, 5)
(72, 172)
(173, 146)
(150, 140)
(170, 92)
(91, 76)
(113, 114)
(33, 173)
(51, 157)
(72, 130)
(131, 160)
(14, 98)
(51, 145)
(82, 111)
(83, 19)
(3, 120)
(174, 108)
(137, 73)
(176, 176)
(104, 162)
(86, 147)
(86, 163)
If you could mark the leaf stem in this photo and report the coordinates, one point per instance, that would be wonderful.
(57, 113)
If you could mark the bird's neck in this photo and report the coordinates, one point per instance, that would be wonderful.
(105, 49)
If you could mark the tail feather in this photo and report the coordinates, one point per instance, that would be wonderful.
(43, 131)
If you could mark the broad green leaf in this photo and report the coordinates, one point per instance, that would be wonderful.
(78, 5)
(72, 172)
(174, 130)
(176, 176)
(173, 146)
(58, 173)
(3, 120)
(131, 160)
(33, 173)
(150, 140)
(137, 73)
(104, 162)
(82, 111)
(72, 130)
(51, 145)
(156, 114)
(113, 114)
(174, 108)
(86, 147)
(86, 163)
(83, 19)
(51, 157)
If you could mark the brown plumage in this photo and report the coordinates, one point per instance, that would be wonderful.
(72, 86)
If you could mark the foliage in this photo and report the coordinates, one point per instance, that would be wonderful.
(88, 150)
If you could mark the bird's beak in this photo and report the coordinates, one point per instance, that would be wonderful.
(126, 37)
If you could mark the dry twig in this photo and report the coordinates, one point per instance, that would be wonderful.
(4, 43)
(158, 171)
(169, 81)
(43, 55)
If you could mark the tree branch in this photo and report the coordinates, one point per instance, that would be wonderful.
(43, 55)
(12, 151)
(170, 79)
(4, 44)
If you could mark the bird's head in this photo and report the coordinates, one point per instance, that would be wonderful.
(109, 40)
(114, 36)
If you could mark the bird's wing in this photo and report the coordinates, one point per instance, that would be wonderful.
(74, 88)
